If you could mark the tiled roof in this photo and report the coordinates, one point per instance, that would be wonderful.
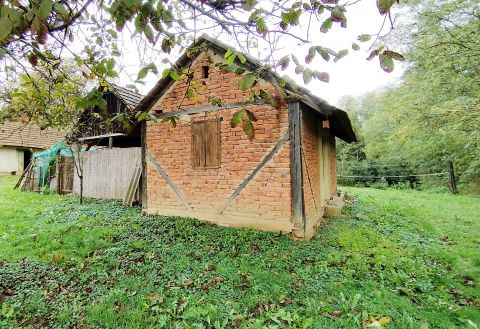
(128, 96)
(28, 135)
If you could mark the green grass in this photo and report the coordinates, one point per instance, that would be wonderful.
(407, 255)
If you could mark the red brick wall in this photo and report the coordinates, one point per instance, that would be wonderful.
(265, 203)
(311, 171)
(333, 166)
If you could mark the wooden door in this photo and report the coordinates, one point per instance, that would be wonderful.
(324, 164)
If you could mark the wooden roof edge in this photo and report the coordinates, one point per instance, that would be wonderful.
(265, 72)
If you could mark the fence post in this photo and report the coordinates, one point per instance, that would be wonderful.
(451, 178)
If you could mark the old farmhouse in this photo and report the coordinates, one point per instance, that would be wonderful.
(18, 141)
(281, 179)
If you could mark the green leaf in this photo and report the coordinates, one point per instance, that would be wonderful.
(364, 37)
(261, 27)
(342, 53)
(299, 69)
(355, 46)
(324, 53)
(110, 64)
(283, 62)
(242, 58)
(327, 25)
(384, 5)
(312, 51)
(307, 76)
(227, 54)
(295, 60)
(149, 33)
(5, 28)
(3, 52)
(165, 73)
(248, 81)
(249, 4)
(386, 62)
(322, 76)
(250, 116)
(174, 75)
(45, 9)
(152, 67)
(231, 58)
(142, 73)
(394, 55)
(239, 70)
(60, 9)
(372, 55)
(237, 118)
(248, 128)
(265, 95)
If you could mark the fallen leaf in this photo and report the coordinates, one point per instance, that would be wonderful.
(210, 267)
(219, 279)
(384, 320)
(57, 257)
(336, 314)
(455, 292)
(466, 302)
(286, 301)
(244, 286)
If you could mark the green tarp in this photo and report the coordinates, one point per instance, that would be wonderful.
(46, 158)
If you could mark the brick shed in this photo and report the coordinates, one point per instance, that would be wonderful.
(279, 180)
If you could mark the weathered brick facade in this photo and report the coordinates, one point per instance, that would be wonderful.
(256, 182)
(319, 177)
(265, 201)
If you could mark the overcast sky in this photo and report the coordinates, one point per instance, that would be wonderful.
(352, 75)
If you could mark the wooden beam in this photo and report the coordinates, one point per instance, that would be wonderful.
(23, 175)
(296, 170)
(143, 182)
(170, 183)
(100, 136)
(132, 186)
(255, 171)
(209, 108)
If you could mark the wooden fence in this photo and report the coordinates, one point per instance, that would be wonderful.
(107, 172)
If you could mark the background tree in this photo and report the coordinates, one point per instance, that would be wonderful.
(434, 114)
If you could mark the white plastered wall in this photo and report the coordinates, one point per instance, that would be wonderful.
(11, 160)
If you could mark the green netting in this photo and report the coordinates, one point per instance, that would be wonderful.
(46, 158)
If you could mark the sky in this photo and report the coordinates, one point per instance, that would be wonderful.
(352, 75)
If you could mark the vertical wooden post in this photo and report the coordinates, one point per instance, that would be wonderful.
(143, 177)
(110, 142)
(296, 172)
(57, 172)
(452, 183)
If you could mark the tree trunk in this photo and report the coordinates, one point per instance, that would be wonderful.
(81, 189)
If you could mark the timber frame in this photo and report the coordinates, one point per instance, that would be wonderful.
(296, 170)
(281, 166)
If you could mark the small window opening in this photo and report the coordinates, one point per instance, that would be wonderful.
(205, 71)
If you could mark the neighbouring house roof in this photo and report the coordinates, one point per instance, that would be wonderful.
(28, 135)
(130, 98)
(340, 124)
(120, 100)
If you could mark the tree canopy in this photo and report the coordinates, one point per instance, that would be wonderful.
(39, 36)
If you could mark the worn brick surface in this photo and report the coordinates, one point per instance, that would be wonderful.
(265, 203)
